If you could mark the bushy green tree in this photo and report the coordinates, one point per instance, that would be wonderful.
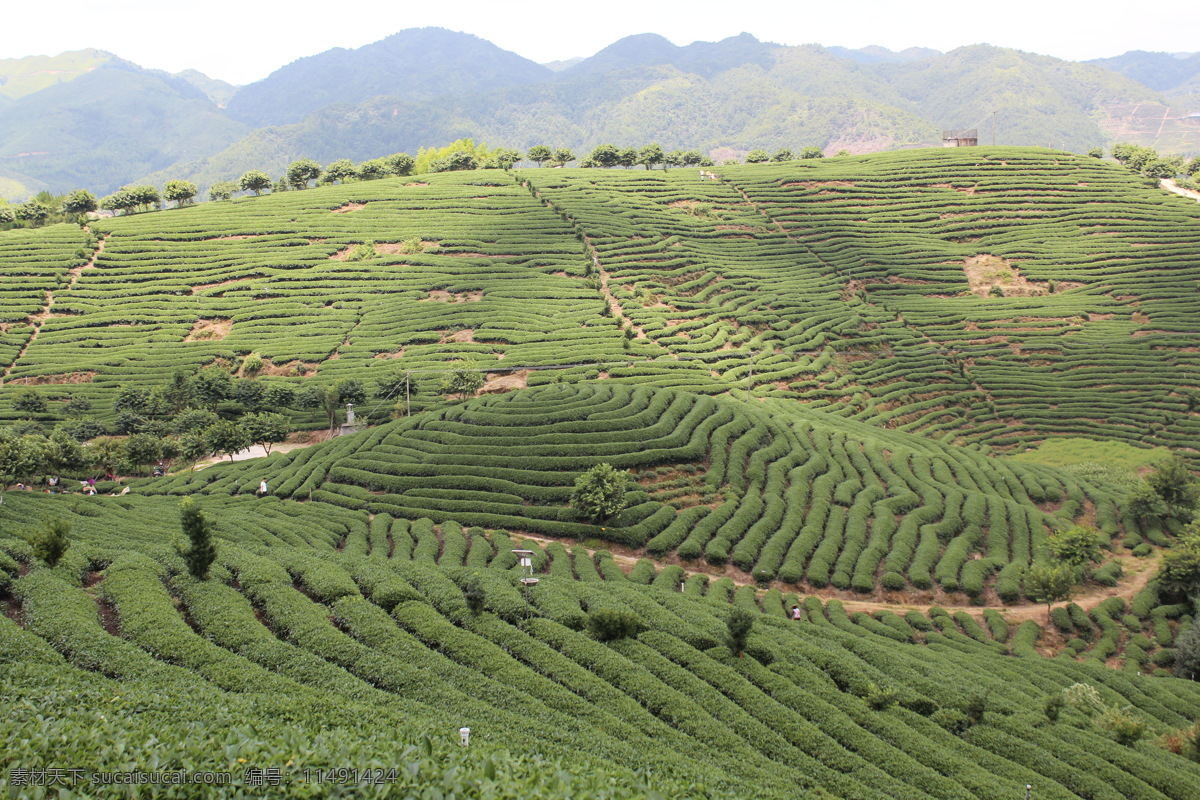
(53, 541)
(301, 171)
(180, 192)
(539, 154)
(1049, 584)
(600, 492)
(226, 437)
(265, 429)
(609, 624)
(79, 202)
(400, 163)
(1176, 485)
(255, 181)
(464, 380)
(341, 170)
(1187, 653)
(1179, 572)
(739, 625)
(812, 152)
(35, 212)
(782, 155)
(757, 157)
(1077, 546)
(29, 403)
(222, 190)
(650, 156)
(201, 551)
(605, 155)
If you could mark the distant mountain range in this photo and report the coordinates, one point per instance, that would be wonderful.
(88, 118)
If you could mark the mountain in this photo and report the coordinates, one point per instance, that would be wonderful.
(215, 90)
(24, 76)
(421, 64)
(700, 58)
(109, 125)
(1163, 72)
(874, 54)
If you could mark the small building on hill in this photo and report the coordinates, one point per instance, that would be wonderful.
(962, 138)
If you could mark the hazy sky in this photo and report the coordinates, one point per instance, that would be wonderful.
(243, 40)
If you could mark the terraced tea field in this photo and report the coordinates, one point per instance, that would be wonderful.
(814, 373)
(346, 617)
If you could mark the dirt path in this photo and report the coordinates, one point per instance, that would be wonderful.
(1137, 573)
(1171, 186)
(257, 451)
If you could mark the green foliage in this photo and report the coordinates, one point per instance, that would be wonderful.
(1049, 584)
(738, 626)
(180, 192)
(362, 252)
(201, 550)
(1076, 546)
(757, 157)
(254, 181)
(1177, 487)
(53, 541)
(600, 492)
(301, 172)
(464, 380)
(80, 201)
(611, 624)
(226, 437)
(1179, 570)
(29, 403)
(222, 190)
(880, 698)
(1187, 653)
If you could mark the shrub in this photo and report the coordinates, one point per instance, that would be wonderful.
(53, 541)
(1187, 653)
(607, 624)
(201, 551)
(600, 492)
(1053, 706)
(879, 698)
(739, 623)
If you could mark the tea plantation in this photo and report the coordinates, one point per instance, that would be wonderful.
(814, 373)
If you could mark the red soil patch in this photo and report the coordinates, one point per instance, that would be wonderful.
(398, 354)
(465, 335)
(108, 617)
(349, 207)
(290, 369)
(209, 330)
(65, 378)
(442, 296)
(498, 384)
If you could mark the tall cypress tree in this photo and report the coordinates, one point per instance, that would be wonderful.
(201, 551)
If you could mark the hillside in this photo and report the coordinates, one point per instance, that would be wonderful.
(871, 388)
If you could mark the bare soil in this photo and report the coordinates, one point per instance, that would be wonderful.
(499, 384)
(209, 330)
(442, 296)
(349, 207)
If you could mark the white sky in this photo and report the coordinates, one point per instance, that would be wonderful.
(244, 40)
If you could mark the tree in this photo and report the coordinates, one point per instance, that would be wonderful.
(104, 453)
(201, 551)
(1187, 654)
(610, 624)
(7, 215)
(211, 386)
(194, 420)
(301, 171)
(340, 170)
(255, 181)
(1077, 547)
(226, 438)
(1096, 152)
(1173, 482)
(505, 157)
(142, 449)
(373, 169)
(782, 155)
(539, 154)
(193, 446)
(279, 396)
(605, 155)
(77, 405)
(180, 192)
(265, 429)
(222, 190)
(400, 164)
(562, 156)
(464, 381)
(650, 155)
(600, 492)
(757, 157)
(350, 390)
(247, 392)
(674, 158)
(1160, 168)
(20, 456)
(145, 197)
(53, 541)
(79, 202)
(1193, 166)
(1145, 504)
(29, 403)
(63, 453)
(35, 212)
(627, 157)
(812, 152)
(739, 624)
(1179, 571)
(1049, 584)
